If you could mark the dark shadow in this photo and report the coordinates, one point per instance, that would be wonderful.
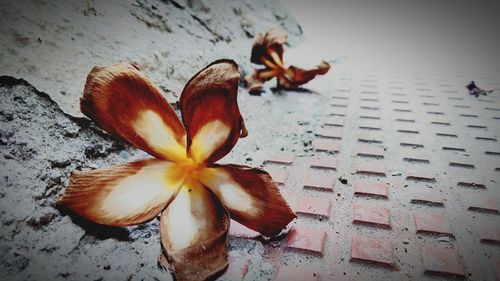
(280, 91)
(99, 231)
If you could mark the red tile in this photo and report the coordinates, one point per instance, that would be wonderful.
(420, 175)
(319, 181)
(432, 222)
(370, 124)
(278, 174)
(291, 273)
(372, 250)
(237, 269)
(442, 261)
(306, 239)
(369, 116)
(480, 203)
(427, 196)
(369, 214)
(495, 264)
(328, 145)
(415, 157)
(330, 132)
(490, 233)
(324, 162)
(370, 188)
(370, 168)
(339, 104)
(314, 206)
(338, 112)
(370, 151)
(466, 165)
(469, 184)
(238, 230)
(371, 137)
(334, 121)
(282, 158)
(410, 142)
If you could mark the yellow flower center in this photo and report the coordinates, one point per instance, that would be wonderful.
(189, 170)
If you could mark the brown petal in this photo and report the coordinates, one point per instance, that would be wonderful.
(210, 111)
(294, 76)
(124, 194)
(255, 81)
(251, 197)
(269, 47)
(194, 231)
(124, 102)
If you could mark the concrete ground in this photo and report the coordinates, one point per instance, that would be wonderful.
(392, 167)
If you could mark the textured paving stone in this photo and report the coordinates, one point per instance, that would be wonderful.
(415, 157)
(370, 116)
(420, 175)
(314, 206)
(319, 181)
(237, 269)
(495, 264)
(306, 239)
(481, 203)
(330, 132)
(370, 168)
(372, 251)
(371, 215)
(323, 162)
(370, 188)
(469, 184)
(282, 158)
(328, 145)
(238, 230)
(442, 261)
(278, 174)
(290, 273)
(335, 121)
(432, 222)
(370, 123)
(410, 142)
(370, 137)
(426, 196)
(337, 112)
(490, 233)
(373, 151)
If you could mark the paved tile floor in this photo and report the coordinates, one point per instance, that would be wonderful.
(401, 183)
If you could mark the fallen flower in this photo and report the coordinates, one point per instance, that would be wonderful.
(267, 50)
(194, 196)
(475, 90)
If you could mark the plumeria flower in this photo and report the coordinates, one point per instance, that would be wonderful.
(194, 196)
(267, 50)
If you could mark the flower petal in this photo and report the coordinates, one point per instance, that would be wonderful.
(250, 195)
(124, 194)
(255, 81)
(124, 102)
(268, 48)
(210, 111)
(294, 76)
(194, 231)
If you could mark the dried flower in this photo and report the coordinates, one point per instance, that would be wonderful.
(194, 196)
(267, 50)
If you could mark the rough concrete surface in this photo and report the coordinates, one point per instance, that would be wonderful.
(54, 44)
(48, 48)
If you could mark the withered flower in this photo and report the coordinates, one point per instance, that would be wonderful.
(267, 50)
(194, 196)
